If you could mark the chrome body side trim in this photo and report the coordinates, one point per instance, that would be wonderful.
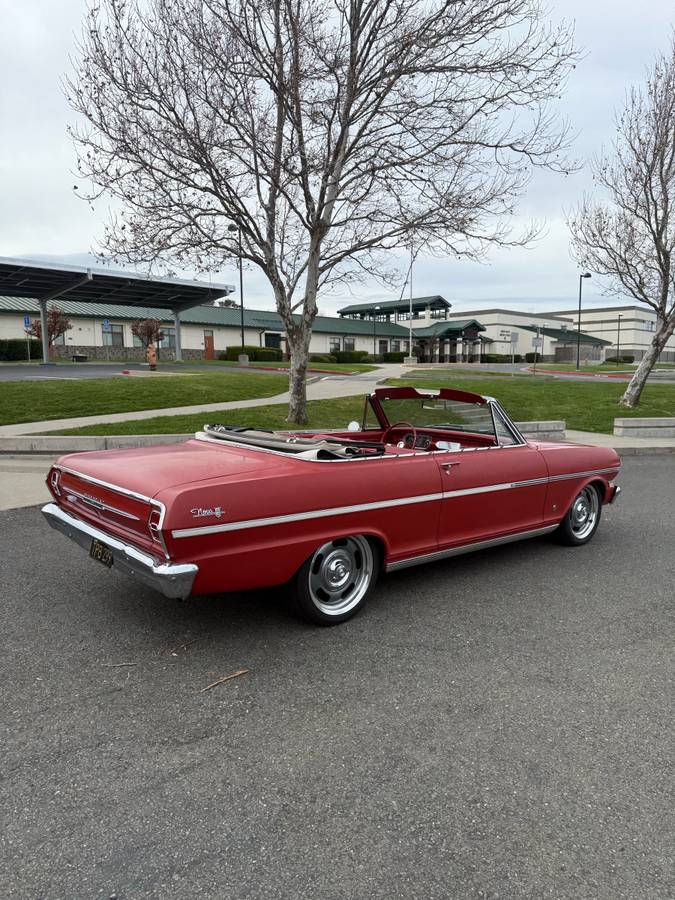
(303, 516)
(365, 507)
(469, 548)
(174, 581)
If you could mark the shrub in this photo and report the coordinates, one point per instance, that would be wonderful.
(255, 354)
(322, 357)
(393, 356)
(532, 357)
(496, 357)
(268, 354)
(620, 359)
(350, 356)
(15, 349)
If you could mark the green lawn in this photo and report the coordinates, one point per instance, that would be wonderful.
(323, 414)
(32, 401)
(585, 406)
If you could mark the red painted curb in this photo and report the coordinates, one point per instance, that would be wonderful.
(623, 377)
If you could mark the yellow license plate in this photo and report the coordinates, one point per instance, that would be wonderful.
(101, 552)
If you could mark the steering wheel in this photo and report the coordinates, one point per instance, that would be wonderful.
(399, 425)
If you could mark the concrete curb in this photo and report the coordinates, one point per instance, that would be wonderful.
(52, 446)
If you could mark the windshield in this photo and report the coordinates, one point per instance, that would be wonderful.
(433, 412)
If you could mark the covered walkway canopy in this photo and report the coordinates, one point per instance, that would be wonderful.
(44, 281)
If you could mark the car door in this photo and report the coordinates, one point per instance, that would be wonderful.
(490, 491)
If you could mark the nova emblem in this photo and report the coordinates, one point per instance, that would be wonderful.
(199, 513)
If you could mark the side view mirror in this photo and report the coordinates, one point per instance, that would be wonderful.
(353, 426)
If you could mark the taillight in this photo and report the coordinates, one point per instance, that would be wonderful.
(155, 524)
(54, 479)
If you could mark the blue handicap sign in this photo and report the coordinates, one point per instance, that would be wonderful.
(26, 321)
(106, 325)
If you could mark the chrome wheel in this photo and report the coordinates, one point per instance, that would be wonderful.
(340, 573)
(584, 513)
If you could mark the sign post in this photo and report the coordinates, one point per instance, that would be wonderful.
(514, 344)
(105, 328)
(26, 326)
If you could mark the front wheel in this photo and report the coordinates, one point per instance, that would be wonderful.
(582, 519)
(333, 584)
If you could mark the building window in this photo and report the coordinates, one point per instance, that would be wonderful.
(383, 347)
(395, 346)
(349, 344)
(59, 341)
(114, 336)
(333, 345)
(273, 340)
(168, 341)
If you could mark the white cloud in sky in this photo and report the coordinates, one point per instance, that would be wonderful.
(41, 216)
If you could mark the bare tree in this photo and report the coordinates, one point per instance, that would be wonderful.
(631, 238)
(57, 324)
(328, 131)
(148, 331)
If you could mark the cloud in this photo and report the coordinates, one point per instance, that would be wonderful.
(41, 216)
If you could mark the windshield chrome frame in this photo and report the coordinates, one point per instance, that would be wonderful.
(493, 405)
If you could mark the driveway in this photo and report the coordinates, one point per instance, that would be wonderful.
(496, 726)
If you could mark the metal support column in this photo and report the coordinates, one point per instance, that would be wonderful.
(43, 329)
(179, 346)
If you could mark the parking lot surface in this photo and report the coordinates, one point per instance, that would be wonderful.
(495, 726)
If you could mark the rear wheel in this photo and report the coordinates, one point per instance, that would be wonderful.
(333, 584)
(582, 519)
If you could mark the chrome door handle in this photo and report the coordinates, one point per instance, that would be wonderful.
(447, 467)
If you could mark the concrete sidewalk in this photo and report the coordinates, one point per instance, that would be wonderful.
(323, 388)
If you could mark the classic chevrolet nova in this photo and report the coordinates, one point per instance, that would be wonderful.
(425, 475)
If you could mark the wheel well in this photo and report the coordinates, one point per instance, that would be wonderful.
(381, 548)
(602, 488)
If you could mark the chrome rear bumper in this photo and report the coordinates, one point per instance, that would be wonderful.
(615, 495)
(174, 581)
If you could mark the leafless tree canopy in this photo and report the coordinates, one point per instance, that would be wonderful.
(631, 237)
(329, 130)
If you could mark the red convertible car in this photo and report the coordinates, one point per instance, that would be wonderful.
(425, 475)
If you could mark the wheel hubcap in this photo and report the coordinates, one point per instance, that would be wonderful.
(340, 574)
(584, 512)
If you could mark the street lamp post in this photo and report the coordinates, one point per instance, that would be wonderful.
(237, 228)
(375, 332)
(618, 339)
(581, 277)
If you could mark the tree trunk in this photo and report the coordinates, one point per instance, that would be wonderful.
(631, 396)
(297, 403)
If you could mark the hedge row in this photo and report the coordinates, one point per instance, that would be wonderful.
(350, 356)
(255, 354)
(620, 359)
(501, 357)
(15, 349)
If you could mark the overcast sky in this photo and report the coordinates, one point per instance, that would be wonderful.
(41, 217)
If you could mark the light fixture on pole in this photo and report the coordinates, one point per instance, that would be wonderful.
(243, 359)
(375, 330)
(581, 277)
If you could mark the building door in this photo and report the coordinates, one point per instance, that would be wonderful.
(383, 347)
(209, 349)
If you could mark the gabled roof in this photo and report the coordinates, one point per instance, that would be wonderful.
(418, 303)
(567, 335)
(447, 328)
(224, 316)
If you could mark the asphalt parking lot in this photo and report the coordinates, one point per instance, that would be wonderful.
(495, 726)
(54, 372)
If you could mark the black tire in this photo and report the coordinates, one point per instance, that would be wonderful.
(335, 582)
(582, 518)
